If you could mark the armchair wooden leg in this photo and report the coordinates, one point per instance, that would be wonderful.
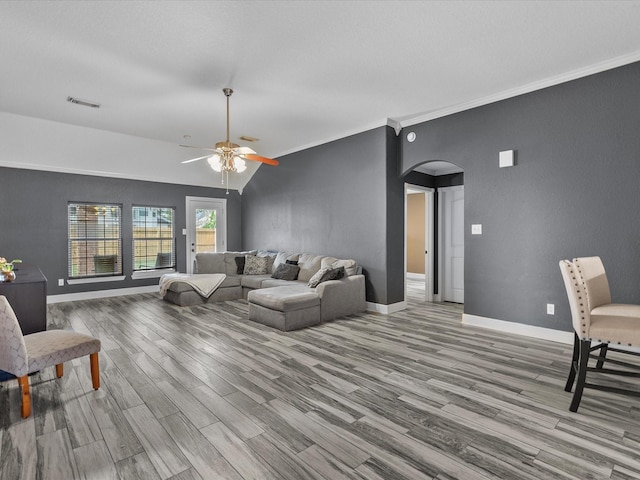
(25, 408)
(585, 351)
(59, 370)
(574, 362)
(95, 371)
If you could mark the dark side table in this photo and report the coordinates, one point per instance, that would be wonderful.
(27, 295)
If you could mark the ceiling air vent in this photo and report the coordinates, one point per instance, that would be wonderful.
(84, 103)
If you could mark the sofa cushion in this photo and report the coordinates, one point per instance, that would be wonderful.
(254, 265)
(210, 263)
(218, 262)
(254, 281)
(309, 264)
(350, 265)
(286, 271)
(284, 299)
(273, 282)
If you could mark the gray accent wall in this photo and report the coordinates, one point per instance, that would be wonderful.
(33, 218)
(573, 192)
(334, 199)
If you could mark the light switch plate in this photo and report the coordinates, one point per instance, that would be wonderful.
(184, 231)
(476, 229)
(506, 159)
(551, 309)
(61, 282)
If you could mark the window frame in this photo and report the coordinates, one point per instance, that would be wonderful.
(77, 239)
(156, 271)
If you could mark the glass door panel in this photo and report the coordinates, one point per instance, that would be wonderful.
(206, 227)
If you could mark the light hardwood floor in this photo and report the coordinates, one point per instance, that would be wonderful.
(202, 393)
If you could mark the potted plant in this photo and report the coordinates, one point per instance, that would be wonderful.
(6, 269)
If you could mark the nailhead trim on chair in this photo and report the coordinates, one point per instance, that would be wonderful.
(577, 284)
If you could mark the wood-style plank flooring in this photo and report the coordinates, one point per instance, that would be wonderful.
(202, 393)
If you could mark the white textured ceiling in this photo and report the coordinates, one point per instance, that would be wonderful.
(303, 72)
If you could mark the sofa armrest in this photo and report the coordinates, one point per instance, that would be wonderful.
(341, 297)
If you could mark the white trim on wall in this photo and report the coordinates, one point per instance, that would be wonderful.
(116, 292)
(518, 328)
(386, 309)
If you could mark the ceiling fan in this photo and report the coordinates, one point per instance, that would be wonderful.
(229, 156)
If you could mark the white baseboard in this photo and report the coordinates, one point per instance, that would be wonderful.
(386, 309)
(519, 328)
(116, 292)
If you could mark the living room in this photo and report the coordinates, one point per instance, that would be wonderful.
(570, 192)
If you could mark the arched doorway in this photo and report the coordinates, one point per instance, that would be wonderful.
(434, 232)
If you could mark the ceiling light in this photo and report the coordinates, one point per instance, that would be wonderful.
(240, 164)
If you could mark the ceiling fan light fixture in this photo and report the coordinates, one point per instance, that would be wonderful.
(229, 156)
(215, 163)
(240, 164)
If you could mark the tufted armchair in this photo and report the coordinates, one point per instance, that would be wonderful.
(596, 319)
(21, 355)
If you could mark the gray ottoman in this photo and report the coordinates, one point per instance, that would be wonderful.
(285, 308)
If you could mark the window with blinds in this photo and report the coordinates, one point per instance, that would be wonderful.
(154, 241)
(95, 240)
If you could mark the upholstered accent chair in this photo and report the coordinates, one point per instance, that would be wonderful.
(598, 324)
(21, 355)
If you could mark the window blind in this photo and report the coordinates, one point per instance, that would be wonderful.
(154, 242)
(95, 240)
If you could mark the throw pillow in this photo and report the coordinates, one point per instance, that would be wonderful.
(255, 265)
(286, 271)
(350, 266)
(240, 265)
(315, 279)
(270, 256)
(332, 274)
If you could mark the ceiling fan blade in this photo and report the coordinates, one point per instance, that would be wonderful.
(244, 151)
(258, 158)
(199, 148)
(196, 159)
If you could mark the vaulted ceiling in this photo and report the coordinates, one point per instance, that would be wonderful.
(303, 72)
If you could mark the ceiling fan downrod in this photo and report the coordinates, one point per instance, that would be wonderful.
(227, 91)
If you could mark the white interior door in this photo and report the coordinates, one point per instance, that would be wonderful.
(206, 227)
(452, 202)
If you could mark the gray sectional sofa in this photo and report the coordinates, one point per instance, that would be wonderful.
(286, 304)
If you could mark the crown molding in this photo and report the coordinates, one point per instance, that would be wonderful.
(528, 88)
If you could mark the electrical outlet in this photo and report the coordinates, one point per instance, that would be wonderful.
(551, 309)
(61, 282)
